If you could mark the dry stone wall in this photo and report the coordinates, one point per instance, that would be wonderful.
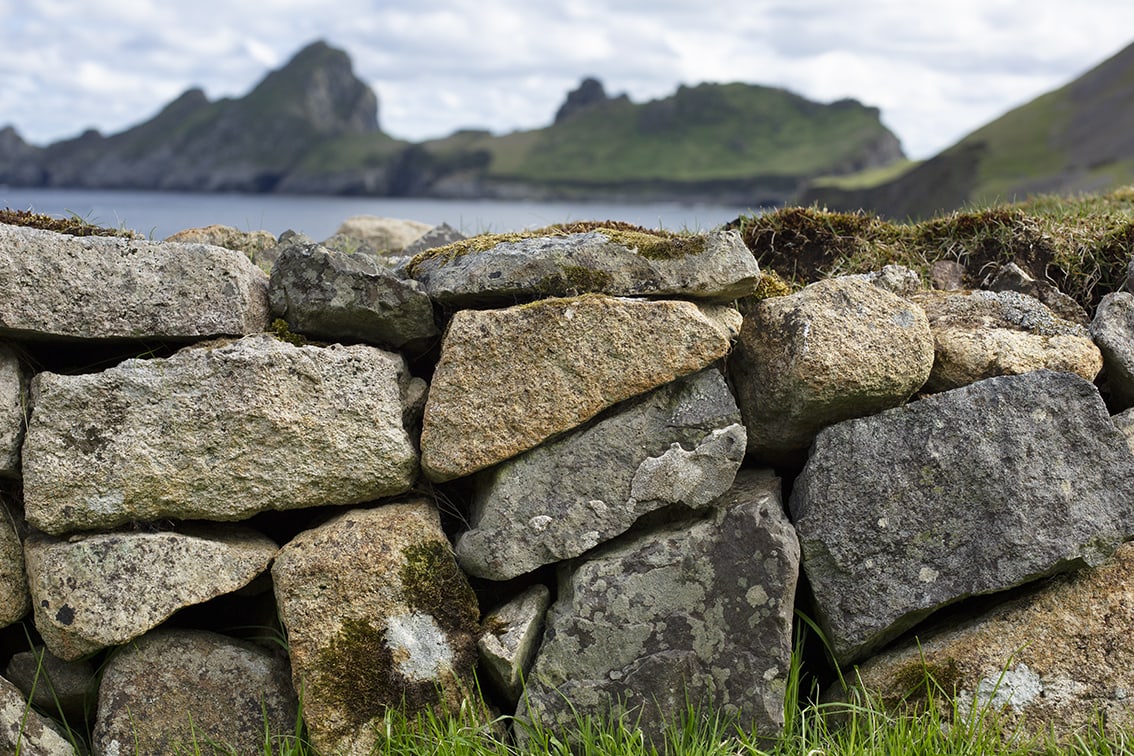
(489, 468)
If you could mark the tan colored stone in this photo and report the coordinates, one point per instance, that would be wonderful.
(255, 244)
(509, 379)
(384, 234)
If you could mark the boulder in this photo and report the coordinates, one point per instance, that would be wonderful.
(25, 731)
(14, 599)
(13, 410)
(63, 688)
(257, 245)
(1057, 661)
(378, 615)
(387, 235)
(981, 334)
(1011, 277)
(509, 379)
(947, 275)
(967, 492)
(695, 613)
(101, 287)
(500, 269)
(512, 633)
(93, 591)
(217, 432)
(174, 691)
(681, 443)
(438, 236)
(896, 279)
(838, 349)
(340, 297)
(1113, 332)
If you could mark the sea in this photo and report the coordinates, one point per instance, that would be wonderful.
(157, 215)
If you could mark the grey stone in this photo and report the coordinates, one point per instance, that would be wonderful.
(512, 633)
(438, 236)
(838, 349)
(342, 297)
(1124, 421)
(217, 432)
(896, 279)
(378, 615)
(387, 235)
(26, 732)
(967, 492)
(510, 379)
(1012, 277)
(52, 684)
(257, 245)
(177, 691)
(98, 287)
(496, 270)
(13, 410)
(94, 591)
(947, 275)
(1113, 332)
(695, 613)
(681, 443)
(14, 599)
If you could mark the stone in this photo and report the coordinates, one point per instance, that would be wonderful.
(174, 691)
(1056, 661)
(14, 599)
(54, 685)
(512, 633)
(387, 235)
(217, 432)
(839, 348)
(94, 591)
(964, 493)
(1113, 332)
(13, 410)
(257, 245)
(947, 275)
(438, 236)
(378, 615)
(981, 334)
(339, 297)
(24, 731)
(509, 379)
(497, 269)
(695, 613)
(896, 279)
(681, 443)
(122, 288)
(1124, 421)
(1011, 277)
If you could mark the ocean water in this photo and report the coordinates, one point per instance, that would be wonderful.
(160, 214)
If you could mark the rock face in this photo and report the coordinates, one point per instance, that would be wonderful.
(94, 591)
(13, 410)
(378, 615)
(173, 689)
(967, 492)
(982, 334)
(116, 288)
(216, 433)
(340, 297)
(509, 379)
(257, 245)
(497, 270)
(24, 731)
(1056, 660)
(52, 684)
(1113, 331)
(838, 349)
(681, 443)
(387, 235)
(1012, 277)
(697, 612)
(14, 600)
(512, 633)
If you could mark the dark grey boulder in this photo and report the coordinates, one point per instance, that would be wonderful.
(62, 688)
(967, 492)
(1113, 332)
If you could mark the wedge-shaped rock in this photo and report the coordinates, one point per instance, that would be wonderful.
(510, 379)
(1055, 662)
(98, 287)
(695, 613)
(14, 600)
(967, 492)
(681, 443)
(378, 615)
(838, 349)
(217, 433)
(173, 690)
(982, 334)
(13, 410)
(498, 269)
(512, 633)
(90, 592)
(25, 731)
(1113, 331)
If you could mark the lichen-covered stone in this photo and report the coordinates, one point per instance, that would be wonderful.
(13, 410)
(25, 731)
(967, 492)
(100, 287)
(1011, 277)
(838, 349)
(217, 433)
(512, 633)
(693, 613)
(509, 379)
(681, 443)
(378, 615)
(93, 591)
(259, 246)
(174, 691)
(14, 599)
(1113, 332)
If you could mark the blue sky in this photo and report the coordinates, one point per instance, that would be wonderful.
(937, 70)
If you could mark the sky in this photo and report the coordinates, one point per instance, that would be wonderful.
(936, 70)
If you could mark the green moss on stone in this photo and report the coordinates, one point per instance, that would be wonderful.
(917, 682)
(432, 583)
(283, 332)
(574, 279)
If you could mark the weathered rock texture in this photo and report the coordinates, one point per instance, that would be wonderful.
(217, 433)
(25, 731)
(59, 687)
(257, 245)
(384, 234)
(714, 266)
(693, 613)
(181, 690)
(14, 599)
(1113, 332)
(512, 634)
(681, 443)
(966, 492)
(98, 287)
(1012, 277)
(510, 379)
(838, 349)
(13, 410)
(378, 615)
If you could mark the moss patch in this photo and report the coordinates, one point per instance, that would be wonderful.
(72, 226)
(432, 583)
(918, 682)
